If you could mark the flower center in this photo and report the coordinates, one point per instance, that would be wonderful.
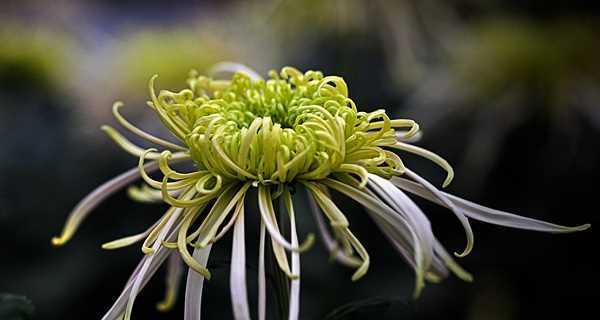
(292, 126)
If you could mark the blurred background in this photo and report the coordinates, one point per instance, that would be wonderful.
(507, 91)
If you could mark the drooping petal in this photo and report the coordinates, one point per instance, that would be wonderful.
(294, 305)
(194, 286)
(137, 283)
(218, 213)
(156, 260)
(182, 244)
(330, 243)
(267, 213)
(339, 223)
(390, 216)
(239, 208)
(174, 271)
(446, 258)
(409, 210)
(92, 200)
(239, 293)
(262, 282)
(459, 214)
(485, 214)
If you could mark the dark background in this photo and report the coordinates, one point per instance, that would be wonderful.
(506, 91)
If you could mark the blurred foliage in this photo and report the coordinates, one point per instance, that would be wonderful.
(169, 53)
(407, 32)
(34, 56)
(310, 16)
(549, 58)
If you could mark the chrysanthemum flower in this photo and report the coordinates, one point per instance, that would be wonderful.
(293, 132)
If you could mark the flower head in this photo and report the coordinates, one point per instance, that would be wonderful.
(293, 131)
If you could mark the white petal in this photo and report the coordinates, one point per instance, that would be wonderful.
(137, 283)
(388, 215)
(481, 213)
(158, 257)
(173, 279)
(409, 210)
(239, 295)
(294, 304)
(233, 67)
(459, 214)
(92, 200)
(262, 283)
(194, 285)
(266, 208)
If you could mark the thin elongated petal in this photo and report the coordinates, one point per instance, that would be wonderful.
(401, 136)
(404, 247)
(156, 260)
(238, 209)
(129, 240)
(182, 244)
(267, 214)
(450, 263)
(262, 282)
(411, 212)
(174, 271)
(334, 215)
(137, 283)
(294, 305)
(430, 156)
(224, 204)
(92, 200)
(485, 214)
(459, 214)
(141, 133)
(330, 243)
(194, 286)
(239, 293)
(390, 216)
(146, 194)
(133, 149)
